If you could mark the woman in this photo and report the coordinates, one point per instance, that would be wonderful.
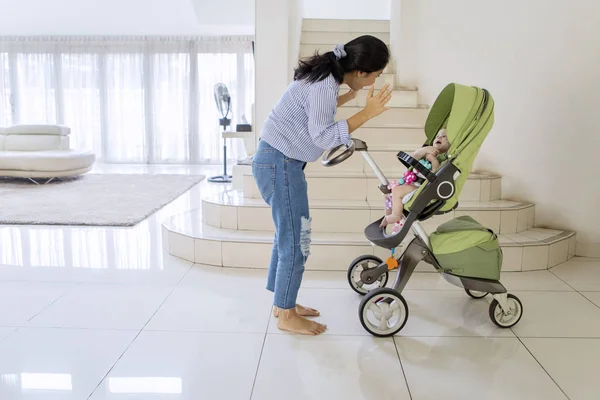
(299, 128)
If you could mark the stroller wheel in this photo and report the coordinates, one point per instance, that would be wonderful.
(475, 294)
(506, 318)
(383, 312)
(361, 264)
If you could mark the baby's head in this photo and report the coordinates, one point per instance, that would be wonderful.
(441, 142)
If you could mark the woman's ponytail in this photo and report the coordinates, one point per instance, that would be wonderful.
(320, 66)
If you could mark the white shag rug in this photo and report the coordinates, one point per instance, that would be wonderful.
(91, 199)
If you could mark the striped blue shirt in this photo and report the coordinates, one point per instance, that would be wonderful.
(302, 125)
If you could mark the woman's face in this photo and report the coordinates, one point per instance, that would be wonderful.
(361, 80)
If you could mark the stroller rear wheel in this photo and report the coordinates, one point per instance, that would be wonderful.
(506, 318)
(475, 294)
(361, 264)
(383, 312)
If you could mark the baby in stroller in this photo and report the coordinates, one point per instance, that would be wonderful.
(466, 253)
(404, 188)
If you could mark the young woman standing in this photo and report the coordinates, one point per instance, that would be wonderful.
(298, 130)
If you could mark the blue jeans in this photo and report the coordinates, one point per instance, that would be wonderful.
(282, 185)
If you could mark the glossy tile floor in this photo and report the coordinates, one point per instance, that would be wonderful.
(98, 313)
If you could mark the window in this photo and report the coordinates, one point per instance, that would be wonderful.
(134, 100)
(5, 92)
(80, 83)
(36, 88)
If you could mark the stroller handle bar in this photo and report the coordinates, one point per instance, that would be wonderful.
(350, 148)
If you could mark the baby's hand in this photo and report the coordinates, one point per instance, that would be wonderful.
(431, 150)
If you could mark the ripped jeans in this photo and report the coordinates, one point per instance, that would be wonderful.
(282, 185)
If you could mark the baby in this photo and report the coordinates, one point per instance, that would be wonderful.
(402, 193)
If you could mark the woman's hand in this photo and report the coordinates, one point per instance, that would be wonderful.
(375, 106)
(376, 103)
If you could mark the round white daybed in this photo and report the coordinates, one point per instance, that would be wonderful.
(41, 152)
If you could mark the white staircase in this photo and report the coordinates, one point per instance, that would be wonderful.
(235, 229)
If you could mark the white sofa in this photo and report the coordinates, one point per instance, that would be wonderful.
(41, 151)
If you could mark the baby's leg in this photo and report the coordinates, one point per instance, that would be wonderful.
(397, 207)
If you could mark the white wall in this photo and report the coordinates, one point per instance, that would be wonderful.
(541, 61)
(403, 41)
(126, 17)
(347, 9)
(225, 12)
(271, 55)
(296, 14)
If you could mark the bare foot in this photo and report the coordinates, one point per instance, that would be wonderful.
(291, 321)
(302, 311)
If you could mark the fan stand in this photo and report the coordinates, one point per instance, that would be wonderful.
(224, 122)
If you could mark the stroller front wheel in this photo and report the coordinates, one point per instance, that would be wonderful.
(361, 264)
(383, 312)
(509, 317)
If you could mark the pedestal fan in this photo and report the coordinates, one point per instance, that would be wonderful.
(223, 101)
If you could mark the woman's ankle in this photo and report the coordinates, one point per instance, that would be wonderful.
(286, 311)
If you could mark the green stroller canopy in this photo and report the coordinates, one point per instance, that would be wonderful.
(467, 113)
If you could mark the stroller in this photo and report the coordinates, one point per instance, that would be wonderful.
(464, 252)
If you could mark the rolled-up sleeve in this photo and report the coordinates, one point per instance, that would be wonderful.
(322, 107)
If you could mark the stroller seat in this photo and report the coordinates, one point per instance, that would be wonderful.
(467, 113)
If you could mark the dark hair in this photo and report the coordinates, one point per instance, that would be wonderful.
(365, 54)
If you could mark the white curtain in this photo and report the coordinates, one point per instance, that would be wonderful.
(5, 95)
(131, 100)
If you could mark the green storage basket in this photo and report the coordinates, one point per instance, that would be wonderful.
(464, 247)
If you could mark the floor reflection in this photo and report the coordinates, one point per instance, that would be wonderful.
(137, 385)
(131, 248)
(37, 381)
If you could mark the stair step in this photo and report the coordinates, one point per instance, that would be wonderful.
(354, 185)
(386, 159)
(400, 98)
(231, 210)
(409, 117)
(476, 188)
(392, 138)
(318, 37)
(190, 239)
(384, 79)
(345, 25)
(379, 139)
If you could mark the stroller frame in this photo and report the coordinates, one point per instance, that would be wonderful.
(386, 303)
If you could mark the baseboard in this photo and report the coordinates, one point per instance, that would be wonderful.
(587, 249)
